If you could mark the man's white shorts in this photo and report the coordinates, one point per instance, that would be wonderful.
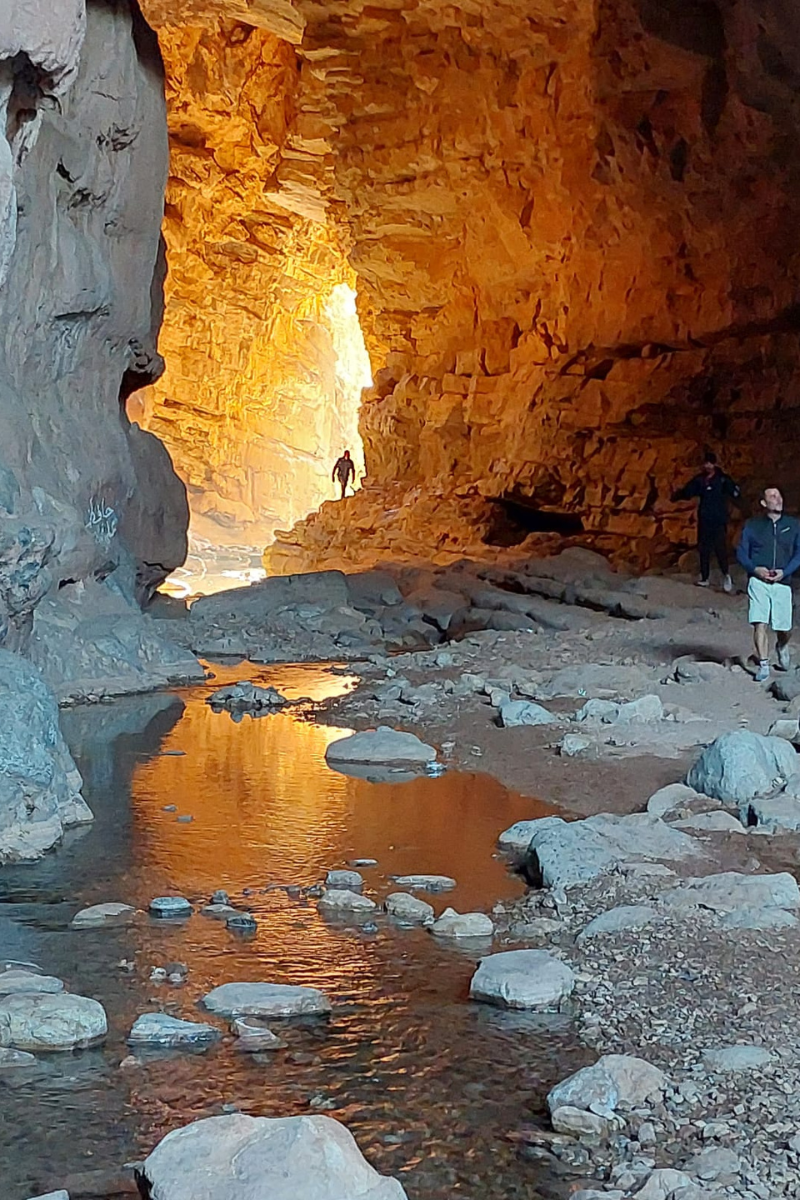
(770, 604)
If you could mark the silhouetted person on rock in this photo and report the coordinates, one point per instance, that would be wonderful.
(712, 488)
(344, 470)
(770, 553)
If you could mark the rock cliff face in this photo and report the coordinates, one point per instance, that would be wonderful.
(574, 231)
(92, 515)
(261, 339)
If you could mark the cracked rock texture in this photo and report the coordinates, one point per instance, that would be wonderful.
(91, 512)
(573, 228)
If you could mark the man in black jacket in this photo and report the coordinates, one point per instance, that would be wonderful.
(712, 488)
(344, 470)
(770, 553)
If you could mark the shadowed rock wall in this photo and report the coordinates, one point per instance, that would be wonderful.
(91, 513)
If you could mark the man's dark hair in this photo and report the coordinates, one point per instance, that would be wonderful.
(710, 457)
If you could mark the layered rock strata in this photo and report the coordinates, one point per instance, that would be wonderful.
(574, 229)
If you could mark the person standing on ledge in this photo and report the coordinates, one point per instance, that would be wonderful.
(344, 470)
(712, 488)
(769, 551)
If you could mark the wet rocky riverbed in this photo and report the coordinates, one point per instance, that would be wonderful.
(429, 1083)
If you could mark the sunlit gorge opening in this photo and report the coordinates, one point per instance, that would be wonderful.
(267, 461)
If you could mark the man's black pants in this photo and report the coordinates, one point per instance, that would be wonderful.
(712, 539)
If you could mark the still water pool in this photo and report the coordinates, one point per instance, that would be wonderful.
(429, 1083)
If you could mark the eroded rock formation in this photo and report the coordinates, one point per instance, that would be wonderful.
(92, 516)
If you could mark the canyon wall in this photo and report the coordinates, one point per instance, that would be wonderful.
(92, 516)
(575, 232)
(262, 386)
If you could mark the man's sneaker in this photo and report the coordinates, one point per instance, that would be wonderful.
(703, 583)
(727, 584)
(784, 658)
(762, 674)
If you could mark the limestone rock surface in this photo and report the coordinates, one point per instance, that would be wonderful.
(31, 1021)
(232, 1157)
(39, 783)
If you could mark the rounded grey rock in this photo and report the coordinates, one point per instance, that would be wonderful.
(170, 906)
(33, 1021)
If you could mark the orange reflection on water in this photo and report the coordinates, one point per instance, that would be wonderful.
(266, 807)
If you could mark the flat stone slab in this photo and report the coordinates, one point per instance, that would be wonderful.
(15, 1060)
(624, 916)
(170, 906)
(158, 1029)
(103, 914)
(60, 1195)
(759, 918)
(736, 1058)
(287, 1158)
(576, 852)
(425, 883)
(731, 891)
(452, 924)
(218, 912)
(39, 1022)
(14, 982)
(410, 909)
(266, 1000)
(771, 815)
(522, 979)
(343, 900)
(713, 822)
(381, 746)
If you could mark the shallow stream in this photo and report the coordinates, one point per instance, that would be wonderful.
(429, 1083)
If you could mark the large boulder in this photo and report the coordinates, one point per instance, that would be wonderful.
(575, 852)
(381, 746)
(39, 783)
(739, 766)
(522, 979)
(259, 1158)
(32, 1021)
(614, 1079)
